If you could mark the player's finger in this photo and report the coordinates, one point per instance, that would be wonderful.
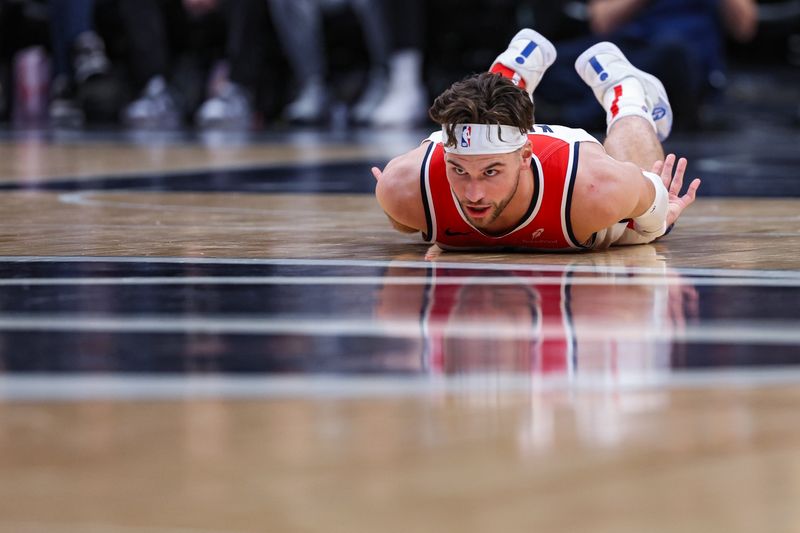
(669, 162)
(666, 170)
(377, 173)
(688, 198)
(656, 169)
(657, 166)
(677, 179)
(693, 186)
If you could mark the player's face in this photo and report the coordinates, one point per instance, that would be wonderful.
(484, 184)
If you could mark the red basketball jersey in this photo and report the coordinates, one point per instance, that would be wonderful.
(545, 226)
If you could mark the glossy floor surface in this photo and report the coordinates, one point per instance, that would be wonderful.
(225, 335)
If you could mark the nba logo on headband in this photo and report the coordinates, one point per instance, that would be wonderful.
(482, 139)
(466, 136)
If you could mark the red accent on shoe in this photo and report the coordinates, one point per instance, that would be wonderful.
(499, 68)
(614, 106)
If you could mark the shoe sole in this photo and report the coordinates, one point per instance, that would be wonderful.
(652, 85)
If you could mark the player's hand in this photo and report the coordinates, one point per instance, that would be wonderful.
(672, 176)
(377, 173)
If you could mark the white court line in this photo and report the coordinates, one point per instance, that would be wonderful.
(83, 198)
(748, 220)
(372, 263)
(727, 332)
(98, 527)
(80, 198)
(345, 280)
(261, 228)
(78, 387)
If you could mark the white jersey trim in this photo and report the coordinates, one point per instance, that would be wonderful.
(566, 199)
(570, 135)
(427, 196)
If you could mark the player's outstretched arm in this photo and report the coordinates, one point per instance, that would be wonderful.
(398, 191)
(608, 191)
(378, 173)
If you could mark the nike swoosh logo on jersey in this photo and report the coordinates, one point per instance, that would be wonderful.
(451, 233)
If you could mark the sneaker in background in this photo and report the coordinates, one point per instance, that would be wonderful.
(231, 108)
(98, 93)
(155, 108)
(371, 97)
(405, 102)
(311, 107)
(64, 111)
(89, 57)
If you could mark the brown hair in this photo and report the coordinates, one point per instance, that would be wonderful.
(485, 98)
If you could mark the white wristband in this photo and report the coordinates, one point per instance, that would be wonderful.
(653, 222)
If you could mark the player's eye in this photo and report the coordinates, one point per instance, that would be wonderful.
(459, 171)
(491, 172)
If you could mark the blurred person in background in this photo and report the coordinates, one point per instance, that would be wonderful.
(404, 102)
(171, 47)
(232, 102)
(82, 86)
(299, 25)
(679, 41)
(24, 64)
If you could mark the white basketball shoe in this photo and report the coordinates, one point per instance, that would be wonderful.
(603, 67)
(526, 59)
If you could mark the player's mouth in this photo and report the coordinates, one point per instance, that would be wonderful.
(477, 211)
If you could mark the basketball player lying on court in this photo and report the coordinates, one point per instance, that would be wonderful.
(490, 179)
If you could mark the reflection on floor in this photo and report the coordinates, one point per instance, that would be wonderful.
(400, 317)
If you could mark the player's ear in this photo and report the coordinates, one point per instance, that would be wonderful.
(526, 152)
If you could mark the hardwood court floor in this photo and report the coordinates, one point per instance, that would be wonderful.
(227, 337)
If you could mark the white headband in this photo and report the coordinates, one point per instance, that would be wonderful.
(481, 139)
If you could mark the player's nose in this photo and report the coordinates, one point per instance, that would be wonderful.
(473, 192)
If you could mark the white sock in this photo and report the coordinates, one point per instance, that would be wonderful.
(626, 99)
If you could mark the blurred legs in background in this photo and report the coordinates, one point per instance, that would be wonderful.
(405, 101)
(81, 82)
(231, 101)
(299, 27)
(172, 45)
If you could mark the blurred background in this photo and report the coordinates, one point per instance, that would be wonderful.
(277, 64)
